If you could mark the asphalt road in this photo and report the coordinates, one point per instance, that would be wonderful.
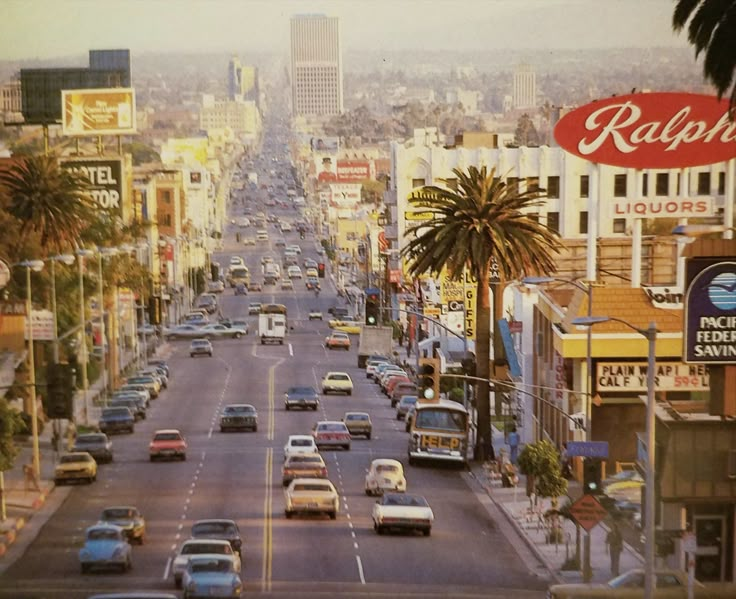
(237, 476)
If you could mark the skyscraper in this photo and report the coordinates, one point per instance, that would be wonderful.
(525, 87)
(316, 65)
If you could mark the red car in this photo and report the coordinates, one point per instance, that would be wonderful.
(337, 340)
(401, 389)
(167, 444)
(392, 381)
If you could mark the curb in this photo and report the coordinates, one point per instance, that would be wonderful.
(9, 536)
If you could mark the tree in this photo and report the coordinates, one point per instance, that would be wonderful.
(485, 219)
(712, 30)
(541, 462)
(48, 200)
(526, 133)
(11, 423)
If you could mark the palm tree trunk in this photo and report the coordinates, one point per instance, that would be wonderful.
(484, 448)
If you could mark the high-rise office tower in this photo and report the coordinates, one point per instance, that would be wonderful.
(525, 87)
(316, 65)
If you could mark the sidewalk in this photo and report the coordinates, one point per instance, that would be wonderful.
(530, 525)
(22, 499)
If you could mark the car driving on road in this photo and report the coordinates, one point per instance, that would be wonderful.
(311, 495)
(301, 397)
(337, 382)
(200, 347)
(239, 417)
(192, 547)
(402, 511)
(167, 444)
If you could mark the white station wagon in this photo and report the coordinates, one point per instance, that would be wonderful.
(337, 382)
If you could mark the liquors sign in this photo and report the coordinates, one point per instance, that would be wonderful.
(654, 130)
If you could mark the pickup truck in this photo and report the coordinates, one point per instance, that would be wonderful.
(671, 584)
(311, 495)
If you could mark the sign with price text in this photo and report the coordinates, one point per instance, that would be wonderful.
(669, 376)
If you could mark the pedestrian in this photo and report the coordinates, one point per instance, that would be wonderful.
(614, 546)
(408, 349)
(401, 335)
(513, 440)
(565, 463)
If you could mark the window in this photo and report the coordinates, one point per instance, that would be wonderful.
(703, 184)
(619, 186)
(584, 186)
(721, 183)
(662, 184)
(167, 220)
(166, 196)
(417, 182)
(553, 221)
(532, 183)
(512, 181)
(619, 225)
(553, 187)
(583, 225)
(645, 184)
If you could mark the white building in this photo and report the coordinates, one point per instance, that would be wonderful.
(316, 65)
(525, 87)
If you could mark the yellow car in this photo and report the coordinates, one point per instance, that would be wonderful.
(78, 465)
(351, 327)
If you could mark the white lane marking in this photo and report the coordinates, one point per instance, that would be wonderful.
(291, 351)
(352, 533)
(360, 569)
(167, 569)
(179, 528)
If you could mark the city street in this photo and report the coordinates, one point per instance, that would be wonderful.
(237, 476)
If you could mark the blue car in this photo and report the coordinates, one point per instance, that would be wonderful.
(105, 546)
(211, 575)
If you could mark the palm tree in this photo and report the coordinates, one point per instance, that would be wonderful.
(48, 200)
(486, 219)
(712, 30)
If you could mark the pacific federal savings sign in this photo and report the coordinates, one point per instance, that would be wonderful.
(710, 312)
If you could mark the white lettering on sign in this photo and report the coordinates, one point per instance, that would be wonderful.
(668, 376)
(664, 297)
(677, 130)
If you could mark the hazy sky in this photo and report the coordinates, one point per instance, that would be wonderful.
(53, 28)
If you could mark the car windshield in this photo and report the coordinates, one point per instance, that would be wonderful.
(441, 419)
(339, 377)
(331, 427)
(404, 500)
(115, 412)
(167, 437)
(194, 548)
(301, 391)
(408, 399)
(200, 342)
(384, 468)
(301, 442)
(102, 534)
(357, 417)
(90, 439)
(211, 565)
(117, 512)
(240, 410)
(213, 528)
(72, 458)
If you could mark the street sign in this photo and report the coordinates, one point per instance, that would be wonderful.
(587, 449)
(588, 512)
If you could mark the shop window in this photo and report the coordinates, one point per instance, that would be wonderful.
(553, 187)
(584, 186)
(662, 185)
(619, 186)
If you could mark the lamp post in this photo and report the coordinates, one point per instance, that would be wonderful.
(588, 290)
(650, 334)
(35, 266)
(81, 255)
(101, 253)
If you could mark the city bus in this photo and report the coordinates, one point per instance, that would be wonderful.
(439, 432)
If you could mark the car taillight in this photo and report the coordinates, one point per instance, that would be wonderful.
(323, 471)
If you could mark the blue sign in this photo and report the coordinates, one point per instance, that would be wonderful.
(508, 344)
(587, 449)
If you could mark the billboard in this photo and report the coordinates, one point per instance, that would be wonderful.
(668, 376)
(105, 177)
(651, 130)
(98, 111)
(345, 195)
(185, 150)
(324, 165)
(325, 144)
(353, 171)
(710, 312)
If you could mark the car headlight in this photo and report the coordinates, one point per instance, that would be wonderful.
(118, 552)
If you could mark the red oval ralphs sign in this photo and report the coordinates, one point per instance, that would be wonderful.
(656, 130)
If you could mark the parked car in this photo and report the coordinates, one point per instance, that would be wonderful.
(402, 511)
(385, 475)
(237, 417)
(337, 382)
(254, 308)
(129, 519)
(215, 286)
(404, 404)
(192, 547)
(358, 423)
(116, 420)
(219, 528)
(301, 397)
(75, 466)
(136, 405)
(98, 445)
(331, 433)
(311, 495)
(167, 443)
(209, 575)
(105, 546)
(200, 347)
(303, 466)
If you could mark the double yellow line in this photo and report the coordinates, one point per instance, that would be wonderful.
(268, 500)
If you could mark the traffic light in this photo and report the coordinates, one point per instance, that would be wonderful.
(154, 309)
(321, 270)
(591, 476)
(429, 379)
(372, 306)
(60, 391)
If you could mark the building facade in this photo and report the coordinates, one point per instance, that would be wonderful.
(525, 87)
(316, 66)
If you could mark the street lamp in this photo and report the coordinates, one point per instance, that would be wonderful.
(650, 334)
(35, 266)
(102, 253)
(588, 290)
(67, 259)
